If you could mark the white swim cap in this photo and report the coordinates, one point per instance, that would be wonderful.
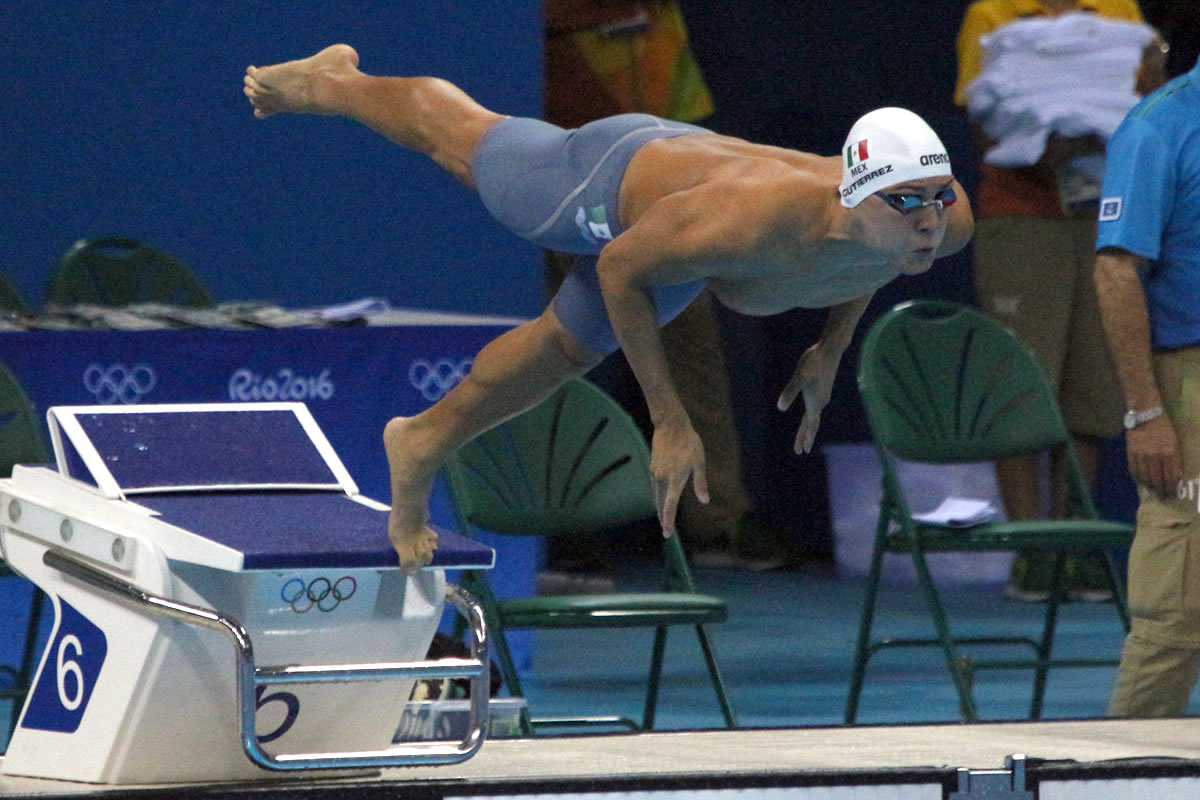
(889, 146)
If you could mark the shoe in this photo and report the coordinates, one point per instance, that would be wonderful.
(1014, 591)
(1090, 595)
(1087, 579)
(1029, 578)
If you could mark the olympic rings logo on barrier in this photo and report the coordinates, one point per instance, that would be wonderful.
(320, 593)
(434, 379)
(119, 383)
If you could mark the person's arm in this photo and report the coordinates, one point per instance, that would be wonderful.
(1152, 447)
(691, 235)
(676, 450)
(817, 368)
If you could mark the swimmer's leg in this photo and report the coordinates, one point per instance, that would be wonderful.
(513, 373)
(429, 115)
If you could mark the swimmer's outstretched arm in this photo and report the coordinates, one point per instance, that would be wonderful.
(676, 452)
(817, 369)
(685, 237)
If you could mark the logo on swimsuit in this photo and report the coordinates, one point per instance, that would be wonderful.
(593, 224)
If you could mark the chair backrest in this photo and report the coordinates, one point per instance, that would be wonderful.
(943, 383)
(575, 463)
(122, 271)
(21, 439)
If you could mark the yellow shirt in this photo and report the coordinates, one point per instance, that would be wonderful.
(1024, 191)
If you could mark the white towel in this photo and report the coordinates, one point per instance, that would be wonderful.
(1073, 74)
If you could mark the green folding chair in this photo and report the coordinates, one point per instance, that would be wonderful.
(21, 442)
(944, 384)
(576, 465)
(118, 271)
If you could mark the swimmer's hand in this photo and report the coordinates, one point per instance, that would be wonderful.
(676, 455)
(813, 379)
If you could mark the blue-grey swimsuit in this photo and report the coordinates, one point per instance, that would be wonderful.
(559, 189)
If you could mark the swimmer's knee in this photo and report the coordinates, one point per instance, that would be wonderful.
(460, 125)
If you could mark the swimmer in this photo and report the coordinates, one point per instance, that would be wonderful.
(656, 211)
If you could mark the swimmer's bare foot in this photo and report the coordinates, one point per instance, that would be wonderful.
(299, 86)
(412, 483)
(412, 537)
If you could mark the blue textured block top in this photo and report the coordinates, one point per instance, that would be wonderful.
(296, 530)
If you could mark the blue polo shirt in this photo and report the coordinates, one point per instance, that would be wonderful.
(1150, 204)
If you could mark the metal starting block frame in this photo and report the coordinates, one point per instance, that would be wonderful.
(169, 533)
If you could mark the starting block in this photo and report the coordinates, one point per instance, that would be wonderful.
(182, 547)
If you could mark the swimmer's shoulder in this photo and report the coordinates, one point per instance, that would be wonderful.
(784, 210)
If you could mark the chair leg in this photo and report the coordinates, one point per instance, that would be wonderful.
(718, 683)
(1045, 647)
(656, 664)
(861, 649)
(959, 669)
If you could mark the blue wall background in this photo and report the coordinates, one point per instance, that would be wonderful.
(128, 118)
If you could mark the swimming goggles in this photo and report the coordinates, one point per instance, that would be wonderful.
(907, 203)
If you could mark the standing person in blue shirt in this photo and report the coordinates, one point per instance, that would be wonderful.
(1148, 283)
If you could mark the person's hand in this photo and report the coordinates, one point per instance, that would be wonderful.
(1152, 449)
(813, 379)
(676, 454)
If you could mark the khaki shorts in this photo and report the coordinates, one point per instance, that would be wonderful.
(1034, 274)
(1164, 562)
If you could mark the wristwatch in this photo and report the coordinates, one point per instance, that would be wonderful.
(1135, 418)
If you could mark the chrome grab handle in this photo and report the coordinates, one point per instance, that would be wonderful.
(250, 677)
